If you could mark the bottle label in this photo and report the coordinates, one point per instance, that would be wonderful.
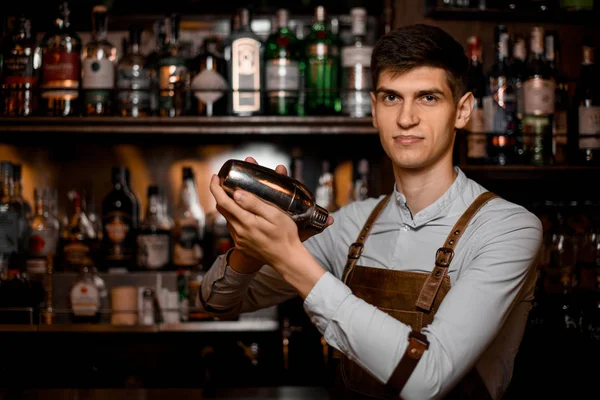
(539, 96)
(559, 128)
(98, 74)
(209, 79)
(187, 250)
(134, 85)
(60, 70)
(117, 226)
(352, 56)
(245, 79)
(42, 243)
(169, 76)
(283, 74)
(318, 50)
(75, 252)
(18, 70)
(589, 124)
(153, 251)
(85, 299)
(9, 231)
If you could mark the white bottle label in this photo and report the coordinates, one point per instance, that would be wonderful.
(356, 55)
(186, 249)
(589, 124)
(152, 251)
(283, 74)
(209, 79)
(539, 96)
(85, 299)
(98, 74)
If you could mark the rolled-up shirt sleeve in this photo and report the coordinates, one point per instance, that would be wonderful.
(496, 279)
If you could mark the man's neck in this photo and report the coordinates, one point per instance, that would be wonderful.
(422, 187)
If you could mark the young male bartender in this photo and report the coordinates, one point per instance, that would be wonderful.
(424, 292)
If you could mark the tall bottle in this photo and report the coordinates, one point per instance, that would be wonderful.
(282, 68)
(152, 64)
(356, 69)
(325, 194)
(9, 216)
(586, 106)
(43, 240)
(539, 94)
(476, 133)
(118, 216)
(78, 239)
(20, 71)
(560, 120)
(500, 105)
(154, 236)
(24, 206)
(190, 222)
(172, 72)
(133, 79)
(61, 66)
(88, 295)
(321, 67)
(518, 74)
(244, 55)
(209, 84)
(98, 66)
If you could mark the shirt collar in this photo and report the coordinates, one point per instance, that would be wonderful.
(437, 209)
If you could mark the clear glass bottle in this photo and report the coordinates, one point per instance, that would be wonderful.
(98, 66)
(18, 190)
(21, 62)
(88, 296)
(190, 223)
(325, 192)
(244, 56)
(153, 250)
(356, 69)
(172, 72)
(44, 228)
(61, 66)
(209, 84)
(282, 68)
(133, 79)
(78, 240)
(9, 216)
(476, 134)
(586, 108)
(560, 120)
(152, 64)
(321, 67)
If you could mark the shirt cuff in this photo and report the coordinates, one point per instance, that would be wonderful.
(324, 299)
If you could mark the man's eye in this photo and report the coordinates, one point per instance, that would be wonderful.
(430, 99)
(389, 97)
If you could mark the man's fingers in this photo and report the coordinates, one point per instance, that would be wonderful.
(251, 160)
(225, 202)
(255, 205)
(281, 169)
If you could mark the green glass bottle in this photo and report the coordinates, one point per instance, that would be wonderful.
(282, 68)
(321, 68)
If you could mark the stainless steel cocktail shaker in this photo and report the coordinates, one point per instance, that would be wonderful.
(287, 193)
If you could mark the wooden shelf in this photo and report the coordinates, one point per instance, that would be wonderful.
(259, 125)
(575, 17)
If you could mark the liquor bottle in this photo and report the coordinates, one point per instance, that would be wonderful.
(244, 56)
(321, 67)
(500, 105)
(88, 296)
(190, 222)
(217, 238)
(9, 216)
(154, 237)
(152, 64)
(21, 64)
(43, 240)
(336, 53)
(78, 239)
(172, 72)
(539, 93)
(360, 189)
(282, 68)
(18, 204)
(325, 191)
(183, 294)
(118, 216)
(98, 66)
(134, 199)
(133, 79)
(356, 69)
(209, 84)
(560, 120)
(18, 292)
(18, 190)
(301, 32)
(586, 107)
(61, 66)
(518, 71)
(475, 129)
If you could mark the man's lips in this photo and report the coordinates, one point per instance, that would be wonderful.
(407, 139)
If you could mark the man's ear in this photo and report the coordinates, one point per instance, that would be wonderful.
(464, 110)
(373, 113)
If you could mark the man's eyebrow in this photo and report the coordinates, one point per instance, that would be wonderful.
(420, 93)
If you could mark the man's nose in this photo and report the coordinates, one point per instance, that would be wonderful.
(407, 116)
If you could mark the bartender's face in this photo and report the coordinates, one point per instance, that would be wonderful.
(417, 116)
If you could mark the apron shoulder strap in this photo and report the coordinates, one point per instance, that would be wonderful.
(356, 248)
(444, 254)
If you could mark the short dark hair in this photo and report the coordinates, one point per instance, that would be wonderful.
(420, 45)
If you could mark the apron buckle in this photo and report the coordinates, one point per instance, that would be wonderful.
(443, 257)
(355, 250)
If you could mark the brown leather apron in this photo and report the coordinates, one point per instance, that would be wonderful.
(412, 298)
